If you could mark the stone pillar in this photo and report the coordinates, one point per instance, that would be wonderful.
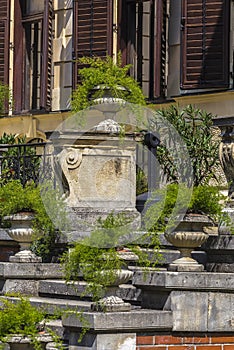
(114, 330)
(99, 172)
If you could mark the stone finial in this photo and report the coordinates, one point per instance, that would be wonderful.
(108, 126)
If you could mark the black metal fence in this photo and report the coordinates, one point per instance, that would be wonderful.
(24, 162)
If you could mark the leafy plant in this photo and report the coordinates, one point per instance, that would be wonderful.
(5, 97)
(14, 197)
(195, 127)
(106, 75)
(205, 199)
(97, 257)
(21, 318)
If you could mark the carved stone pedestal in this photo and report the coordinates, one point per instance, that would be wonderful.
(98, 169)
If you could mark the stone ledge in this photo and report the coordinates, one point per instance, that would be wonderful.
(135, 320)
(76, 290)
(167, 281)
(34, 271)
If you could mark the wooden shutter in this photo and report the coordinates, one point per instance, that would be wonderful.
(205, 43)
(92, 29)
(160, 50)
(4, 40)
(46, 71)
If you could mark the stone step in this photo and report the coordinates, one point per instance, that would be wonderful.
(54, 306)
(77, 290)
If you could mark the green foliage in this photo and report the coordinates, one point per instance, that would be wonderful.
(14, 197)
(97, 257)
(20, 317)
(204, 200)
(5, 97)
(105, 73)
(18, 162)
(141, 182)
(195, 127)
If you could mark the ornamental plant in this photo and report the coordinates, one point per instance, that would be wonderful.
(101, 74)
(97, 257)
(204, 199)
(19, 317)
(14, 198)
(195, 127)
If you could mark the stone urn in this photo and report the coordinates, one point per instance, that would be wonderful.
(111, 302)
(188, 235)
(21, 342)
(22, 232)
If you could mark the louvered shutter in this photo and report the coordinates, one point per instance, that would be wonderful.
(92, 29)
(205, 43)
(160, 50)
(46, 71)
(4, 40)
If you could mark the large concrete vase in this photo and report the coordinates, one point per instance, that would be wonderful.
(188, 235)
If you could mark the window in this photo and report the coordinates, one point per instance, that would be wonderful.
(142, 40)
(205, 44)
(92, 30)
(32, 55)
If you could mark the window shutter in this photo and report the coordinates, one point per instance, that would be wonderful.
(205, 48)
(92, 30)
(4, 40)
(45, 94)
(160, 49)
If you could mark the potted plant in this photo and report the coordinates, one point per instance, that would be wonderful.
(187, 208)
(100, 78)
(102, 261)
(23, 326)
(24, 216)
(185, 225)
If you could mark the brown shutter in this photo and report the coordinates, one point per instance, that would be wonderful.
(4, 40)
(46, 56)
(205, 48)
(92, 29)
(160, 50)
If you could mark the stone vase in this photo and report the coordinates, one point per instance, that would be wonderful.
(111, 302)
(21, 231)
(21, 342)
(188, 235)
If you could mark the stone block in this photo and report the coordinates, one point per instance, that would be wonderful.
(201, 311)
(166, 280)
(189, 311)
(30, 270)
(113, 341)
(135, 320)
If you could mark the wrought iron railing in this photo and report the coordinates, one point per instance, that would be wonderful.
(24, 162)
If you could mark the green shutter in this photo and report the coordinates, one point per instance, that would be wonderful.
(205, 44)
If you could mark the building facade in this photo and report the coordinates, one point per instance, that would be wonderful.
(181, 51)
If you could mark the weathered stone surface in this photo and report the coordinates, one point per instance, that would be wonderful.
(30, 270)
(24, 287)
(77, 289)
(220, 252)
(122, 321)
(112, 341)
(100, 175)
(166, 280)
(201, 311)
